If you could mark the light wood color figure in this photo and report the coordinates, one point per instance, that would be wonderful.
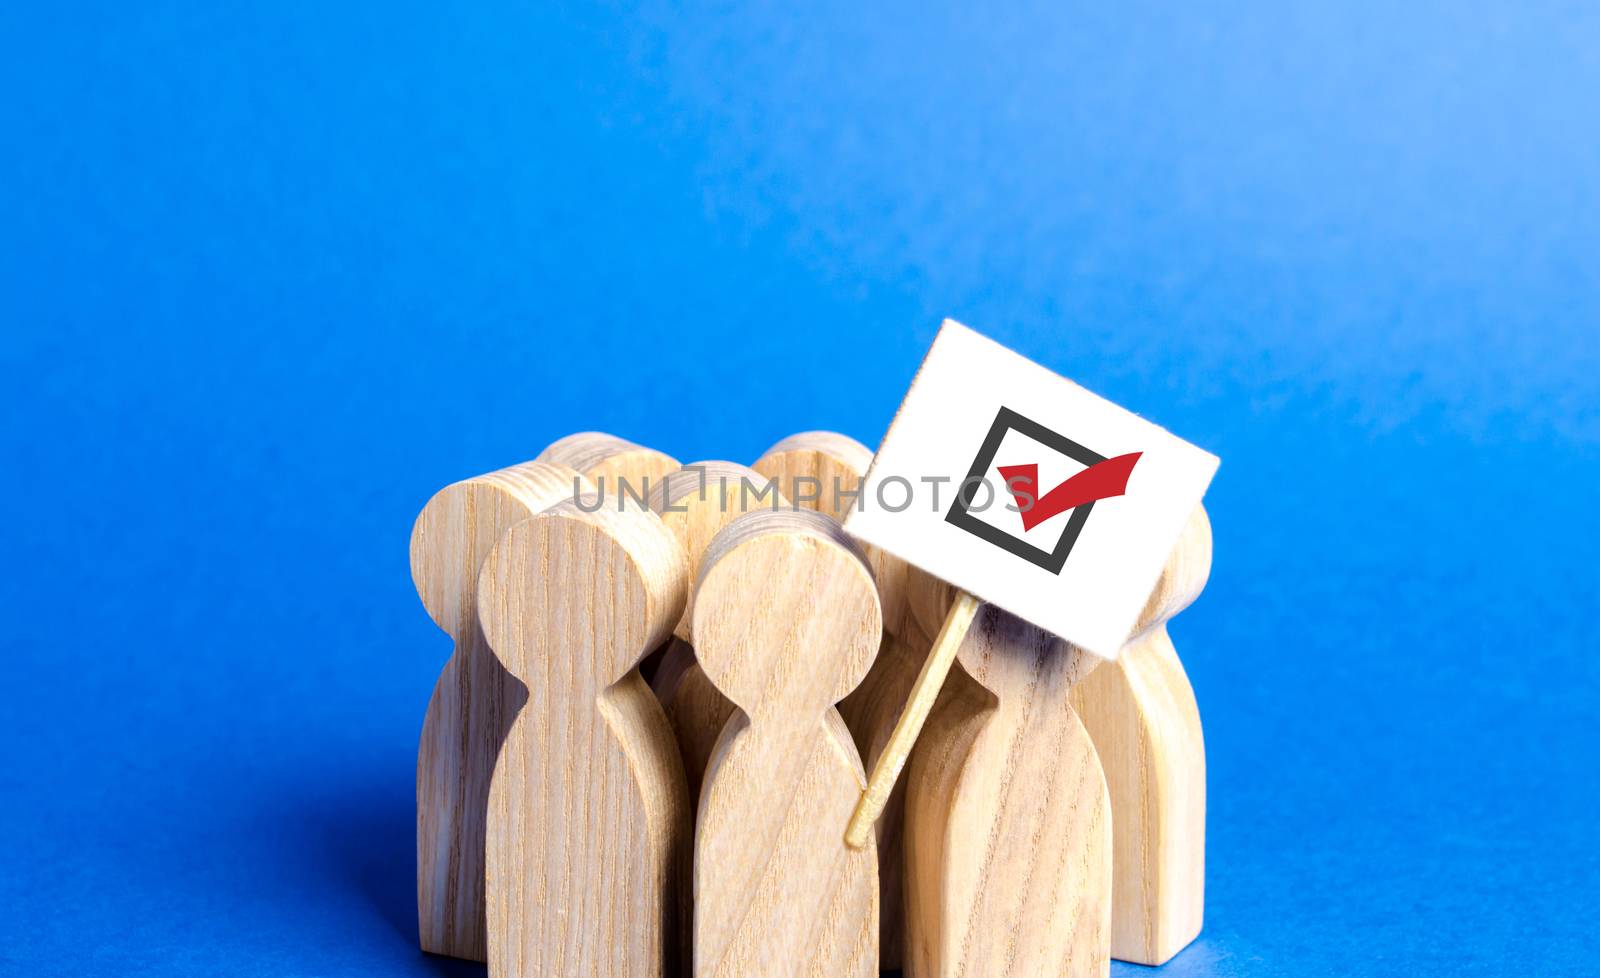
(694, 707)
(617, 467)
(869, 713)
(822, 470)
(786, 623)
(695, 502)
(1008, 821)
(1141, 714)
(589, 833)
(475, 699)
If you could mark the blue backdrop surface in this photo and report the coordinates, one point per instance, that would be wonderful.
(272, 273)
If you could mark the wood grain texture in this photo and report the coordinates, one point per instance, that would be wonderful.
(694, 708)
(1008, 821)
(787, 623)
(620, 468)
(818, 470)
(617, 467)
(474, 699)
(695, 502)
(869, 714)
(1141, 713)
(822, 470)
(885, 775)
(698, 500)
(589, 827)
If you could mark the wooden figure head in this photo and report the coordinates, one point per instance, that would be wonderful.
(822, 471)
(463, 521)
(1183, 577)
(614, 465)
(581, 595)
(787, 618)
(697, 501)
(818, 470)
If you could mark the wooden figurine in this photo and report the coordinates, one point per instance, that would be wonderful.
(822, 470)
(786, 623)
(695, 502)
(1008, 823)
(589, 830)
(1141, 715)
(474, 700)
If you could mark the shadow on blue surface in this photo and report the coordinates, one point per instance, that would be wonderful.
(361, 839)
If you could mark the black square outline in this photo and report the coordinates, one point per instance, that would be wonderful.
(1007, 420)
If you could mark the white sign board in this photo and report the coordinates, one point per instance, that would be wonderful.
(1029, 492)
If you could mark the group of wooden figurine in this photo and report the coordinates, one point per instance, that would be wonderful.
(640, 760)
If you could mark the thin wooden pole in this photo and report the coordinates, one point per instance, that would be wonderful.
(923, 694)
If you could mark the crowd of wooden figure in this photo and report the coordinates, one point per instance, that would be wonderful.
(640, 758)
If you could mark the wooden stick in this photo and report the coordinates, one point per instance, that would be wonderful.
(929, 681)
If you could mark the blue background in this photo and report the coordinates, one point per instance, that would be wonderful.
(271, 274)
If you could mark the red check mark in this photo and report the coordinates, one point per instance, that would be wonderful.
(1101, 480)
